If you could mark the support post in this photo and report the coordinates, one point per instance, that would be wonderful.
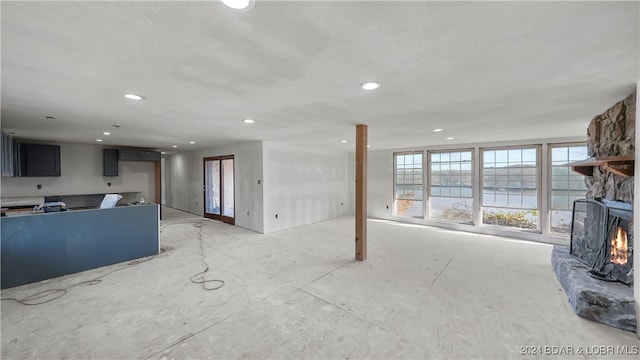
(158, 185)
(361, 192)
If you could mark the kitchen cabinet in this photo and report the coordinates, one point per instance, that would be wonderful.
(139, 155)
(110, 162)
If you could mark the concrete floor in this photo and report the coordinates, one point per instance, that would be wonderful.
(423, 293)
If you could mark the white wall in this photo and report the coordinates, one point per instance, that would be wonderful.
(81, 173)
(303, 185)
(185, 182)
(380, 188)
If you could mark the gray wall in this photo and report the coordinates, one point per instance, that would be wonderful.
(81, 173)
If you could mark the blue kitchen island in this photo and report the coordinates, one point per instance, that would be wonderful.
(41, 246)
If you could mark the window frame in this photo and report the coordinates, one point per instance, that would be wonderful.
(473, 184)
(395, 173)
(550, 208)
(539, 187)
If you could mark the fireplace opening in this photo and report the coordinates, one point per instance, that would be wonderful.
(601, 238)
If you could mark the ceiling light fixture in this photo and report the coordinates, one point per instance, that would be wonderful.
(248, 121)
(106, 133)
(245, 5)
(368, 146)
(99, 140)
(450, 138)
(371, 85)
(134, 97)
(343, 141)
(175, 146)
(192, 142)
(437, 130)
(162, 152)
(49, 117)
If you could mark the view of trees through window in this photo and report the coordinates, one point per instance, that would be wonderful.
(408, 184)
(510, 187)
(566, 186)
(451, 186)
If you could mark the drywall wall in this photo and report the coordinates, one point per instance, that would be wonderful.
(380, 184)
(81, 173)
(185, 181)
(303, 185)
(178, 173)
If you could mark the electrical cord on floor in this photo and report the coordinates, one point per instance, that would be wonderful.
(54, 294)
(202, 281)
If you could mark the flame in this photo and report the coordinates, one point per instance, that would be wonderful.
(619, 247)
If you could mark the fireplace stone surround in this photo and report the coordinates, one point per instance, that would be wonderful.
(611, 134)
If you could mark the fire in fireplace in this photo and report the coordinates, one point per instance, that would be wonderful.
(619, 247)
(601, 238)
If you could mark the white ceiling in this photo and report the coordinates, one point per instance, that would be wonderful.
(483, 71)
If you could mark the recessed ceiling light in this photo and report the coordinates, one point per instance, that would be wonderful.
(248, 121)
(162, 152)
(371, 85)
(134, 97)
(450, 138)
(239, 4)
(175, 146)
(368, 146)
(192, 142)
(99, 140)
(343, 141)
(437, 130)
(106, 133)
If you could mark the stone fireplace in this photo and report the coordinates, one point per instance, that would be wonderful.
(597, 269)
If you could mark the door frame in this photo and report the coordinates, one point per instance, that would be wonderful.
(220, 217)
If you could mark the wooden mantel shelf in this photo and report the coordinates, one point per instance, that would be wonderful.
(619, 165)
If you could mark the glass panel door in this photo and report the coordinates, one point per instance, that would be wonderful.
(219, 196)
(227, 185)
(212, 187)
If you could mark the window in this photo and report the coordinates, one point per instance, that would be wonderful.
(566, 186)
(408, 185)
(451, 186)
(510, 188)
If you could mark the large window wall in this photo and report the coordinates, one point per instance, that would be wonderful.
(524, 188)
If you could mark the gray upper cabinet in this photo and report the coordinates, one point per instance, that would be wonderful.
(110, 162)
(139, 155)
(39, 160)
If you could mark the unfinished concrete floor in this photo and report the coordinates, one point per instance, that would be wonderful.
(423, 293)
